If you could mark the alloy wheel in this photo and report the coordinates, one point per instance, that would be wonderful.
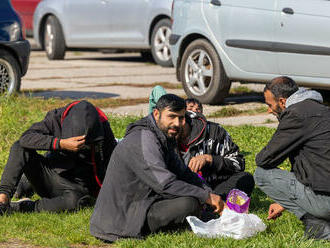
(7, 77)
(162, 43)
(49, 38)
(198, 72)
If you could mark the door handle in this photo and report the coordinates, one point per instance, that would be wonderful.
(216, 2)
(288, 11)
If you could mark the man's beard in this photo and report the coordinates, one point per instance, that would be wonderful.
(277, 112)
(165, 131)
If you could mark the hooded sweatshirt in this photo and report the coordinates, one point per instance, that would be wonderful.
(143, 169)
(88, 165)
(303, 136)
(211, 138)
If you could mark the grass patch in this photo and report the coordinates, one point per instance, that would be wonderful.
(72, 229)
(243, 90)
(231, 111)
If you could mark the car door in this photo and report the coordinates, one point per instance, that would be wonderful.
(128, 21)
(245, 30)
(87, 23)
(303, 37)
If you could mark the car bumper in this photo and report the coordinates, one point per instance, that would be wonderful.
(22, 50)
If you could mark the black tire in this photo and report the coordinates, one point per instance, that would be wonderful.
(216, 83)
(10, 74)
(162, 56)
(54, 42)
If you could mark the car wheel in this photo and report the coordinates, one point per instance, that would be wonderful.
(202, 73)
(54, 39)
(10, 74)
(160, 43)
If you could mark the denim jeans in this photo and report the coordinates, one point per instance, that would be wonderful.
(284, 188)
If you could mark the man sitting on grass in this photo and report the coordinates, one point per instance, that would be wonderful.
(303, 136)
(147, 188)
(207, 149)
(79, 142)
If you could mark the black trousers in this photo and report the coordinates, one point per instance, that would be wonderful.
(170, 214)
(242, 180)
(57, 193)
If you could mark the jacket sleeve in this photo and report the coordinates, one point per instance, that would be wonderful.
(226, 157)
(40, 136)
(149, 165)
(289, 135)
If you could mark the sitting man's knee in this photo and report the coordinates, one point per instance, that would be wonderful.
(260, 175)
(189, 205)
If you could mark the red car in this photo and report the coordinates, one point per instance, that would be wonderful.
(25, 9)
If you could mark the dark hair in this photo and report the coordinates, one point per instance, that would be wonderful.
(281, 87)
(194, 101)
(171, 101)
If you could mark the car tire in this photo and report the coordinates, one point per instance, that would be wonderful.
(10, 74)
(160, 44)
(54, 42)
(202, 74)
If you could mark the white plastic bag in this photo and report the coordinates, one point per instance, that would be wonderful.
(230, 224)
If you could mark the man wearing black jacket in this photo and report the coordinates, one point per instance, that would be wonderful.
(303, 136)
(79, 142)
(207, 149)
(147, 188)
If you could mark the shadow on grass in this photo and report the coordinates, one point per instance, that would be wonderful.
(71, 94)
(259, 201)
(244, 98)
(244, 153)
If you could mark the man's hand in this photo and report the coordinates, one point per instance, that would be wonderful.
(275, 210)
(216, 202)
(198, 162)
(73, 144)
(4, 198)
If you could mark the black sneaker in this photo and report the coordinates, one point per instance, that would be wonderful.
(4, 208)
(23, 206)
(316, 228)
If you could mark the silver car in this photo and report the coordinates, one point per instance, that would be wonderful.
(142, 25)
(217, 41)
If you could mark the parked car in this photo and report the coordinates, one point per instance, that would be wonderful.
(14, 50)
(217, 41)
(25, 9)
(120, 24)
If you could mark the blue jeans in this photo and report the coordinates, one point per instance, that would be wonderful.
(284, 188)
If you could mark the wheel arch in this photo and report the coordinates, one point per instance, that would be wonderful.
(14, 54)
(153, 24)
(184, 44)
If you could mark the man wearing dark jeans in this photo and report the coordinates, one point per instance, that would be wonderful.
(303, 135)
(207, 149)
(147, 188)
(79, 142)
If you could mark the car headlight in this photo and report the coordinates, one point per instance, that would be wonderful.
(14, 31)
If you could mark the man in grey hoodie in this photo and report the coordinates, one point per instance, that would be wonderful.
(303, 136)
(147, 188)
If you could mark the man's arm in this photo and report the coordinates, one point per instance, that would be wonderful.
(148, 163)
(289, 135)
(40, 136)
(226, 157)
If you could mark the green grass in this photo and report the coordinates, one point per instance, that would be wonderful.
(72, 229)
(231, 111)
